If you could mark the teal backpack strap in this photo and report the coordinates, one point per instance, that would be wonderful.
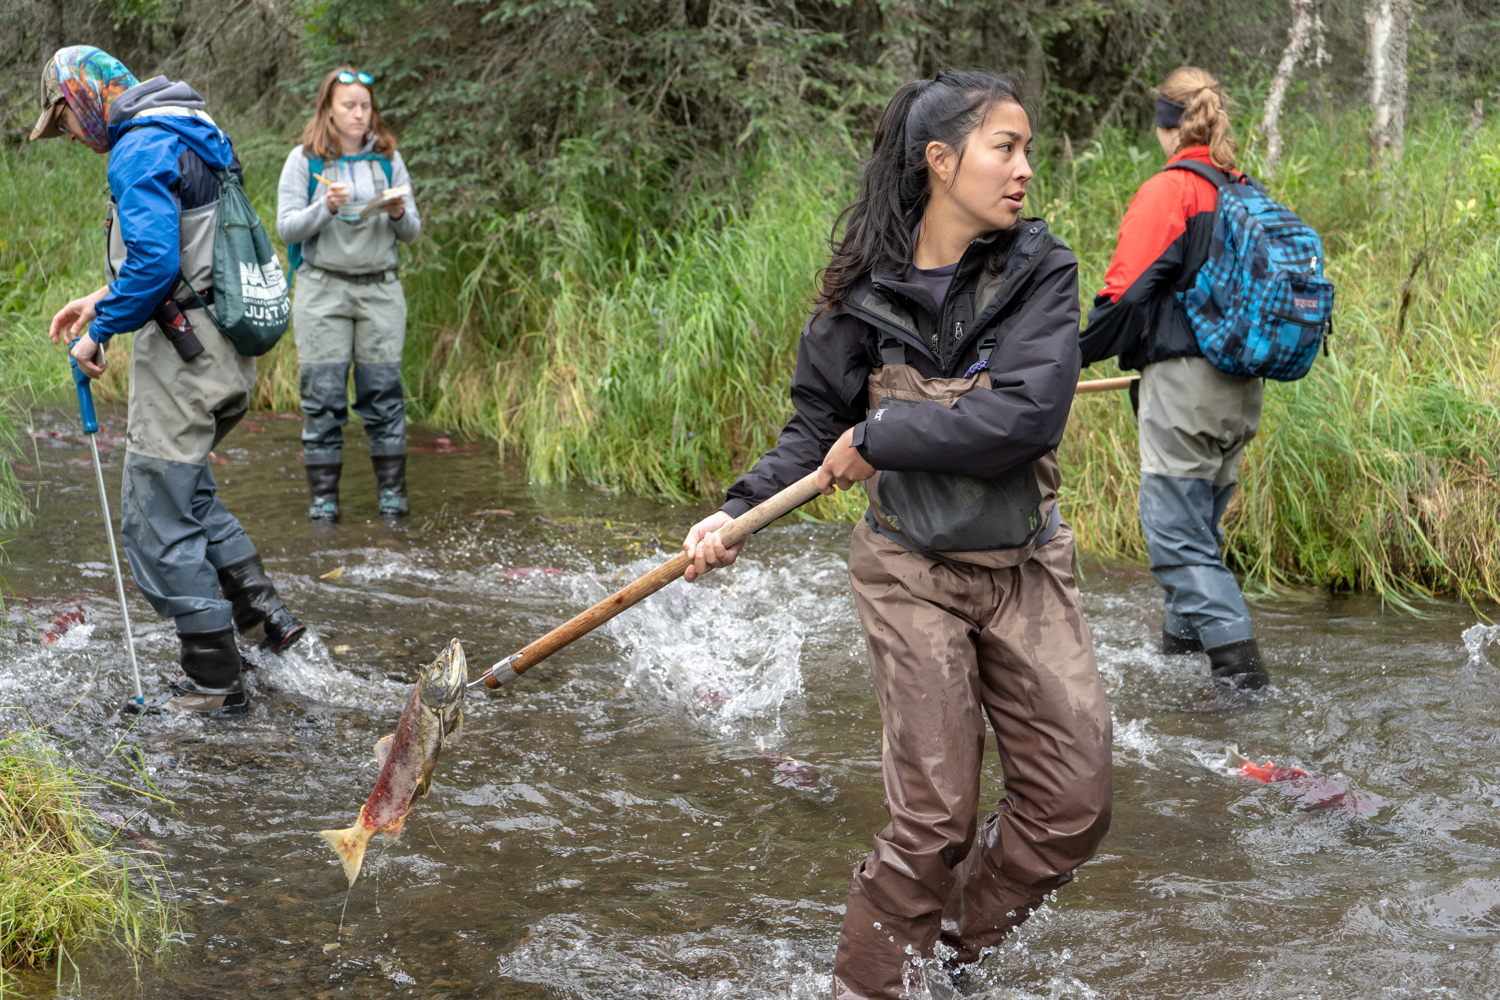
(314, 167)
(385, 163)
(294, 250)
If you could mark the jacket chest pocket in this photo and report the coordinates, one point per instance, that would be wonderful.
(944, 512)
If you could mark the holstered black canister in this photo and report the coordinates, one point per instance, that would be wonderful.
(176, 328)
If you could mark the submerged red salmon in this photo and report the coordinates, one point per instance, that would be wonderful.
(789, 772)
(1314, 792)
(407, 757)
(60, 625)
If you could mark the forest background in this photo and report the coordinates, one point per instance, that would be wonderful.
(627, 202)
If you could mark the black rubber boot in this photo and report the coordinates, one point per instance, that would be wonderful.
(259, 613)
(210, 685)
(390, 484)
(1173, 645)
(1238, 664)
(323, 486)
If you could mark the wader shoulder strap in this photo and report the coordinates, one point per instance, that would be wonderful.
(892, 350)
(987, 344)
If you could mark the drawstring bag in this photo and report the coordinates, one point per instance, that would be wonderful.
(251, 306)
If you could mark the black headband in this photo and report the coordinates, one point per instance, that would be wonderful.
(1168, 113)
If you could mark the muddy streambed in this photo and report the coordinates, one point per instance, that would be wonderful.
(608, 827)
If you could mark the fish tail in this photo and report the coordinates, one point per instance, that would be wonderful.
(349, 845)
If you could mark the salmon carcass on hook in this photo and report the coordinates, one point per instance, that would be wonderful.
(407, 757)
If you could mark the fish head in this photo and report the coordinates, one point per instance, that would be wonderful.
(443, 680)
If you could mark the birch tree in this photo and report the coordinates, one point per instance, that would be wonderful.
(1306, 29)
(1388, 22)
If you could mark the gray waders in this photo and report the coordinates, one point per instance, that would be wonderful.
(349, 310)
(189, 556)
(1195, 422)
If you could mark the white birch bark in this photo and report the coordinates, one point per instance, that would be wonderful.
(1296, 44)
(1388, 22)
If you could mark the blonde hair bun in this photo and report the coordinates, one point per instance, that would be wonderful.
(1206, 120)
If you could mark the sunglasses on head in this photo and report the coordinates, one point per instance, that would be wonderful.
(348, 77)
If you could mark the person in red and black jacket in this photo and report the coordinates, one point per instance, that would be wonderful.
(1194, 420)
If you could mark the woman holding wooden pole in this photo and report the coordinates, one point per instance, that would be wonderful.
(938, 370)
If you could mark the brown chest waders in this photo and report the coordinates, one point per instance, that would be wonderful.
(966, 591)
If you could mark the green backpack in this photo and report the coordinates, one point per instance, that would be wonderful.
(251, 305)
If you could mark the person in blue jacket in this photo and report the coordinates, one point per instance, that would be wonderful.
(190, 557)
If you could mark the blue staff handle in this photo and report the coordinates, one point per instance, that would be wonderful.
(90, 428)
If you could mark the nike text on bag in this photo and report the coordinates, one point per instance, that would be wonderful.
(1260, 306)
(250, 307)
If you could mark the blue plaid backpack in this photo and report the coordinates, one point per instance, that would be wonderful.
(1260, 306)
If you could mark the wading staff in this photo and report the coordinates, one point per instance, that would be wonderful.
(90, 428)
(731, 534)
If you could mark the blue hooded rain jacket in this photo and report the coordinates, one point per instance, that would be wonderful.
(159, 166)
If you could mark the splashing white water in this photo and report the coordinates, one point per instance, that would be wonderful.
(1478, 639)
(1134, 736)
(308, 671)
(729, 646)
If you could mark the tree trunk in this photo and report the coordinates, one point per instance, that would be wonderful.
(1036, 68)
(1388, 22)
(1296, 44)
(900, 55)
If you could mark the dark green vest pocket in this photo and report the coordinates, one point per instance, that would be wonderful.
(956, 513)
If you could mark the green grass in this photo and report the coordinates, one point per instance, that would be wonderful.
(65, 881)
(648, 348)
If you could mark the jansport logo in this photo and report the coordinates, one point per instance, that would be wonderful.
(1306, 303)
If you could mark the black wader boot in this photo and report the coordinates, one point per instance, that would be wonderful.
(390, 484)
(323, 485)
(210, 682)
(259, 613)
(1239, 665)
(1174, 645)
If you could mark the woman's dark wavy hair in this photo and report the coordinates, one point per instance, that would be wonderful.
(879, 225)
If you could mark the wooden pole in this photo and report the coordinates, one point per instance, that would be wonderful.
(1107, 384)
(633, 593)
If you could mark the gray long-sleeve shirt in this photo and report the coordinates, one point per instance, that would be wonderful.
(330, 241)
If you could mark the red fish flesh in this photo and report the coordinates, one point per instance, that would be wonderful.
(527, 572)
(60, 625)
(1313, 791)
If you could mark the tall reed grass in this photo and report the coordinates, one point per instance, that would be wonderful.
(648, 349)
(64, 880)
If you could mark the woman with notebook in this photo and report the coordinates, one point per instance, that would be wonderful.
(344, 202)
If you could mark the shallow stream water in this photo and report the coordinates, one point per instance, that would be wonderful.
(609, 826)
